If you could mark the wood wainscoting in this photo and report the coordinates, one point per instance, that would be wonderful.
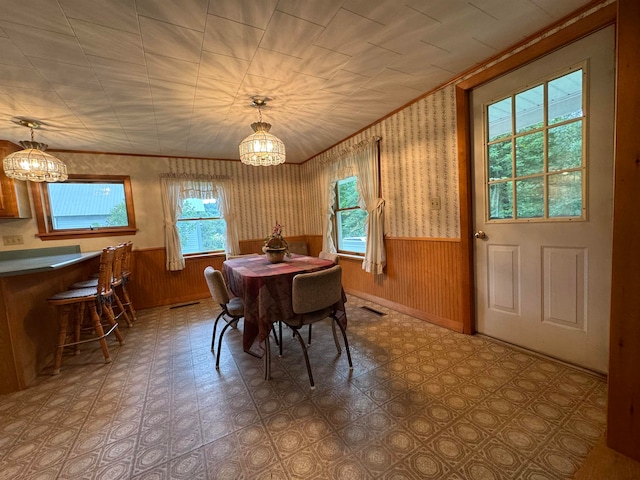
(422, 278)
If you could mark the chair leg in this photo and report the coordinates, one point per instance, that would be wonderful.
(335, 336)
(346, 342)
(306, 356)
(267, 358)
(309, 342)
(215, 325)
(62, 335)
(224, 329)
(280, 330)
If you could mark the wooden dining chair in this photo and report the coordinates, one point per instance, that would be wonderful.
(315, 296)
(98, 300)
(232, 308)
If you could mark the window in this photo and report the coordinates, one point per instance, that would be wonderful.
(534, 152)
(200, 226)
(350, 219)
(83, 206)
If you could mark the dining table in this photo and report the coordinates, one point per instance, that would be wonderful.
(265, 288)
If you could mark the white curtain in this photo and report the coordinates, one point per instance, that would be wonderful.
(368, 185)
(361, 161)
(175, 188)
(172, 206)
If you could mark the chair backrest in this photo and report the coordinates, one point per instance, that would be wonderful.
(118, 262)
(329, 256)
(299, 247)
(126, 259)
(217, 287)
(317, 290)
(106, 271)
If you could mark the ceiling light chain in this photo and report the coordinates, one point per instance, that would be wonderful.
(261, 148)
(33, 163)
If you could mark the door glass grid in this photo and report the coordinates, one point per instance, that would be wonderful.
(534, 152)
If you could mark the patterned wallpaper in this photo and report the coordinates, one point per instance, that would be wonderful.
(418, 161)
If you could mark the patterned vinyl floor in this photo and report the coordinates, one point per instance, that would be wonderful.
(421, 402)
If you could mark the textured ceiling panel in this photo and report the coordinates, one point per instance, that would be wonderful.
(176, 78)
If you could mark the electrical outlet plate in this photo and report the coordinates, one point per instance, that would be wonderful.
(8, 240)
(435, 203)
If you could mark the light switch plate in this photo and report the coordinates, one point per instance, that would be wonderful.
(12, 240)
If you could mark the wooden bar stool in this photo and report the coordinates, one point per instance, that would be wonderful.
(126, 276)
(75, 301)
(116, 281)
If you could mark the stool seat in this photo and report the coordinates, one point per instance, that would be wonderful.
(74, 295)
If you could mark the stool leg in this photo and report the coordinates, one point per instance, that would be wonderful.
(112, 321)
(80, 309)
(99, 332)
(127, 302)
(122, 309)
(62, 335)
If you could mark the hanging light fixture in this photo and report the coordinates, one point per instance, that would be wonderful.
(261, 147)
(33, 163)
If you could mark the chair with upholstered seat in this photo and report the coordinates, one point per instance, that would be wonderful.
(315, 296)
(232, 308)
(74, 303)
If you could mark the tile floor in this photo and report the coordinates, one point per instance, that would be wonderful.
(422, 402)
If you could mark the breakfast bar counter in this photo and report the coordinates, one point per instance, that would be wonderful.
(28, 325)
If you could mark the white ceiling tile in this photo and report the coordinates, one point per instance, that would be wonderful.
(344, 83)
(12, 75)
(273, 65)
(11, 55)
(108, 42)
(231, 38)
(65, 74)
(223, 67)
(180, 71)
(118, 14)
(387, 81)
(253, 85)
(381, 12)
(371, 60)
(300, 34)
(319, 13)
(31, 96)
(114, 71)
(43, 14)
(186, 13)
(170, 40)
(348, 33)
(557, 9)
(245, 12)
(322, 62)
(405, 32)
(46, 44)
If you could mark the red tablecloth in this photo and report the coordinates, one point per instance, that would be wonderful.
(265, 288)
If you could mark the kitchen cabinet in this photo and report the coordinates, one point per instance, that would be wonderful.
(14, 197)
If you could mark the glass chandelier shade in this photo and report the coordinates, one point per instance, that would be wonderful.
(261, 148)
(34, 164)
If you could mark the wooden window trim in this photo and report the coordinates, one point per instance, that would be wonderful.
(42, 210)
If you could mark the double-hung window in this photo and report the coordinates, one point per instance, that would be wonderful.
(200, 226)
(350, 219)
(84, 205)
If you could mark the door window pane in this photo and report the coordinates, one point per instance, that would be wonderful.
(530, 154)
(565, 146)
(530, 197)
(500, 201)
(500, 161)
(499, 118)
(543, 159)
(530, 109)
(565, 97)
(565, 194)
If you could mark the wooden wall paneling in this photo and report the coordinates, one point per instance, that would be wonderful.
(623, 415)
(314, 242)
(152, 285)
(421, 279)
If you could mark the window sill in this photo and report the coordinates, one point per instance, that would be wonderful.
(188, 256)
(351, 256)
(98, 232)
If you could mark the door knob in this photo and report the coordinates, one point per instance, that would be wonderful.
(480, 235)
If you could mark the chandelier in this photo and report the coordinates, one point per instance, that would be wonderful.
(261, 147)
(33, 163)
